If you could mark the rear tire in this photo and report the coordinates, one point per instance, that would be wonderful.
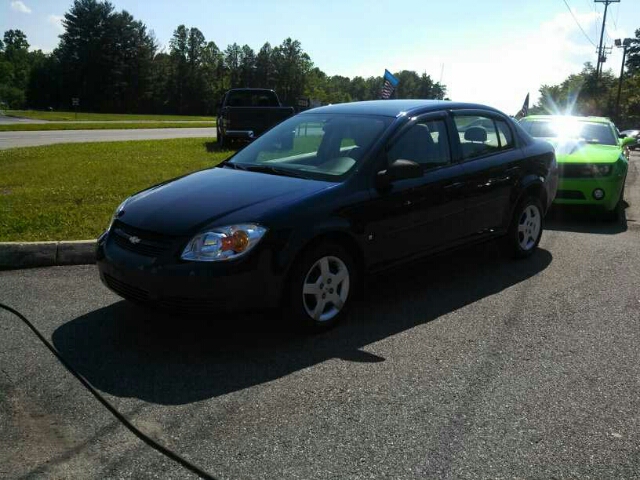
(525, 230)
(321, 287)
(220, 139)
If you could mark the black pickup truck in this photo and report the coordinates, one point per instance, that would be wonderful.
(246, 113)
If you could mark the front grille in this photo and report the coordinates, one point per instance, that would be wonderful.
(125, 290)
(582, 170)
(145, 243)
(196, 306)
(570, 195)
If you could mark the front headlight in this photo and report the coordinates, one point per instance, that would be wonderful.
(602, 170)
(117, 213)
(224, 243)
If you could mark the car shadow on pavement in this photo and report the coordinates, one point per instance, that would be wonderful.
(174, 359)
(583, 220)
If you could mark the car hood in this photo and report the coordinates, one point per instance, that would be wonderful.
(581, 152)
(186, 204)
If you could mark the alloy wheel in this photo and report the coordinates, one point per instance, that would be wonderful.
(325, 288)
(529, 227)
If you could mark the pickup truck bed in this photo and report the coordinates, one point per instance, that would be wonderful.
(247, 113)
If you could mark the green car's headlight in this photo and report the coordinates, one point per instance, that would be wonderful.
(602, 170)
(224, 243)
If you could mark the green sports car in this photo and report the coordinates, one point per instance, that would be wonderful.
(592, 164)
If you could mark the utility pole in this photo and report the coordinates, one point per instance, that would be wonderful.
(624, 44)
(601, 55)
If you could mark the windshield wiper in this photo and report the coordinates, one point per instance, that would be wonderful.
(285, 172)
(235, 166)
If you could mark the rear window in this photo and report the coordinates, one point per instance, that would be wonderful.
(252, 99)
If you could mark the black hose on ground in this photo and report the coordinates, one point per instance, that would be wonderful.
(120, 417)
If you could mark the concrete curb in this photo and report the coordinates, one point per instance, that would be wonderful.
(46, 254)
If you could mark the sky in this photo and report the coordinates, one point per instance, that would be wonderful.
(492, 51)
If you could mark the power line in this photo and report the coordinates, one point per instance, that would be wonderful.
(596, 22)
(615, 22)
(578, 23)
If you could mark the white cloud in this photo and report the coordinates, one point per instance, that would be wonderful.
(19, 6)
(501, 70)
(56, 21)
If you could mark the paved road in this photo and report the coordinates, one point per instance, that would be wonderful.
(30, 139)
(466, 366)
(6, 120)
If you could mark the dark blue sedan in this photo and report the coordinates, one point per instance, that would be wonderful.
(299, 216)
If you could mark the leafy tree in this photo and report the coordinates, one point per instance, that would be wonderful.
(633, 54)
(265, 69)
(111, 61)
(579, 94)
(292, 65)
(232, 59)
(247, 66)
(105, 57)
(16, 55)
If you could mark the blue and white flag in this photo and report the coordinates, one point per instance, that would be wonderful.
(390, 84)
(524, 111)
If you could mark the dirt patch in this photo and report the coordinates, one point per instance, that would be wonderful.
(30, 436)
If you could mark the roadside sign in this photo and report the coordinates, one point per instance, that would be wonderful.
(75, 101)
(303, 102)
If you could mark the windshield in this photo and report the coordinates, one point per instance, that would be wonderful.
(571, 129)
(252, 98)
(321, 146)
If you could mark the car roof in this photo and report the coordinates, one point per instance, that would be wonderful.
(396, 108)
(575, 117)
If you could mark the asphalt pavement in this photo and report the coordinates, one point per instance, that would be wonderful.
(7, 120)
(37, 138)
(465, 366)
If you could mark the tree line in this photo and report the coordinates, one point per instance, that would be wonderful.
(584, 93)
(113, 63)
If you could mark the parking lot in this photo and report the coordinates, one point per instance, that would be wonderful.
(468, 365)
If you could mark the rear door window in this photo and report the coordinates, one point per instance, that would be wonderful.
(480, 135)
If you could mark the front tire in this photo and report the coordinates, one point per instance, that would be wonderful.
(615, 214)
(525, 230)
(322, 284)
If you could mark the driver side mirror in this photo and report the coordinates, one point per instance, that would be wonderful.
(398, 170)
(626, 141)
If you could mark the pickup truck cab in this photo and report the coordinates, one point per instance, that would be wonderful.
(246, 113)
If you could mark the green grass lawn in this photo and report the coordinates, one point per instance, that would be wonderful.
(69, 191)
(32, 127)
(71, 116)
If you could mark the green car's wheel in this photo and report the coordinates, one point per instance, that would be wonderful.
(615, 214)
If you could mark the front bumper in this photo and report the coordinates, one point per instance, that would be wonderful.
(247, 135)
(247, 284)
(579, 191)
